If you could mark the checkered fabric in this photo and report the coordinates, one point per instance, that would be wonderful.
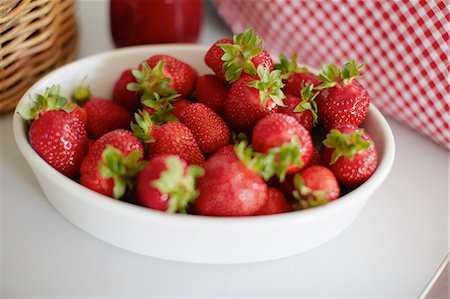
(404, 45)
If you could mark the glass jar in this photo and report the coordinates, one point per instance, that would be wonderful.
(136, 22)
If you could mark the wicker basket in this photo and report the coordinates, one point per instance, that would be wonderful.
(36, 36)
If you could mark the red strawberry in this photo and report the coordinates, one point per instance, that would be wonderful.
(342, 99)
(211, 91)
(58, 130)
(314, 186)
(105, 116)
(295, 76)
(227, 151)
(213, 57)
(315, 158)
(283, 136)
(166, 183)
(131, 100)
(209, 130)
(250, 99)
(182, 76)
(90, 143)
(228, 58)
(172, 138)
(275, 203)
(304, 109)
(350, 153)
(112, 163)
(179, 106)
(229, 188)
(285, 187)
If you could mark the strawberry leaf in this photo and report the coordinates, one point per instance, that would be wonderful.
(269, 86)
(289, 67)
(275, 162)
(345, 145)
(163, 108)
(331, 75)
(278, 159)
(52, 99)
(307, 197)
(179, 184)
(121, 169)
(143, 126)
(81, 93)
(308, 102)
(238, 137)
(237, 56)
(152, 82)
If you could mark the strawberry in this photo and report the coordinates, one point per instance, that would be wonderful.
(122, 96)
(213, 58)
(251, 98)
(229, 188)
(303, 109)
(342, 99)
(211, 91)
(182, 76)
(179, 105)
(275, 203)
(172, 138)
(295, 76)
(209, 130)
(314, 186)
(57, 131)
(229, 58)
(112, 163)
(227, 151)
(152, 84)
(286, 187)
(289, 142)
(350, 153)
(105, 116)
(167, 183)
(315, 158)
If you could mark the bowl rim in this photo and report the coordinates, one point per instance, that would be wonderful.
(125, 209)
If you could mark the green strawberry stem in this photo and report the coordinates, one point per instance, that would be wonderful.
(121, 169)
(345, 145)
(278, 159)
(237, 56)
(179, 184)
(163, 108)
(238, 137)
(269, 85)
(331, 75)
(152, 84)
(305, 196)
(308, 102)
(142, 129)
(81, 93)
(289, 67)
(275, 162)
(52, 99)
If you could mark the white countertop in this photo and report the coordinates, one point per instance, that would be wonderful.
(391, 250)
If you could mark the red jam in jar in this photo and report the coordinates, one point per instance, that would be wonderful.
(137, 22)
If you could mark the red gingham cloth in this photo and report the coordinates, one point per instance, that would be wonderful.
(404, 45)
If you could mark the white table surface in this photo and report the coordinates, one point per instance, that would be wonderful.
(391, 250)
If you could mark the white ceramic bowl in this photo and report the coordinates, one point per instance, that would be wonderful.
(189, 238)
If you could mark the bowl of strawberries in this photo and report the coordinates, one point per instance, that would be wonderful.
(206, 154)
